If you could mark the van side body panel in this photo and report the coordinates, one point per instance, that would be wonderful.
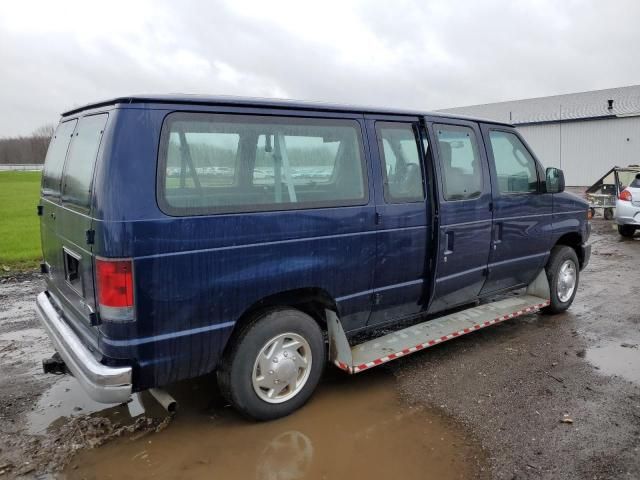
(569, 217)
(195, 276)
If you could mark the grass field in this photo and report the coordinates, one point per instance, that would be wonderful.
(19, 226)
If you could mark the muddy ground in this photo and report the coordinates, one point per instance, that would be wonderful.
(539, 397)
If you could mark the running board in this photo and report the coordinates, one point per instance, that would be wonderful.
(424, 335)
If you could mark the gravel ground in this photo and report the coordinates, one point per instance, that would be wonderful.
(513, 384)
(546, 396)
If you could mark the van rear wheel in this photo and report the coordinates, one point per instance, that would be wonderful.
(563, 273)
(274, 364)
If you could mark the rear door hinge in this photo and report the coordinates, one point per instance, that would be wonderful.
(40, 210)
(94, 319)
(378, 218)
(90, 235)
(377, 298)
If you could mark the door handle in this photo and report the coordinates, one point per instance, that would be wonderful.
(497, 235)
(448, 241)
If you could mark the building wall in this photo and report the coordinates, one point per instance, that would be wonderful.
(585, 150)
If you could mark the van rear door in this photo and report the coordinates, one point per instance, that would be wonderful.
(66, 222)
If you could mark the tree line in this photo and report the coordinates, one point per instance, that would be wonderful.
(26, 149)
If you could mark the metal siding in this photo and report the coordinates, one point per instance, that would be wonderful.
(589, 148)
(545, 141)
(572, 106)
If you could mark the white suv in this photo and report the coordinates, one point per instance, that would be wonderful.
(628, 208)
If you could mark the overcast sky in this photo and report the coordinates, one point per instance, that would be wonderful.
(403, 53)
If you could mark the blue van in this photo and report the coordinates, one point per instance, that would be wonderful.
(183, 235)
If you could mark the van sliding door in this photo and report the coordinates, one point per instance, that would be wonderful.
(403, 213)
(464, 217)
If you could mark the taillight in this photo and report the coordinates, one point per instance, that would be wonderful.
(114, 280)
(625, 195)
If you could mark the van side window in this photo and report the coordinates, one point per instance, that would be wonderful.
(398, 145)
(54, 162)
(212, 154)
(460, 161)
(214, 163)
(515, 167)
(78, 170)
(312, 159)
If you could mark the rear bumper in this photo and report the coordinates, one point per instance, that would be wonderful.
(103, 384)
(627, 213)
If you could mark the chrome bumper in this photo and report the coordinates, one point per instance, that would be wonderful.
(103, 384)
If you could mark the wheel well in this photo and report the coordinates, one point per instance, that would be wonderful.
(312, 301)
(573, 240)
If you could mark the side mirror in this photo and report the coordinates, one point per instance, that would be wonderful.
(555, 180)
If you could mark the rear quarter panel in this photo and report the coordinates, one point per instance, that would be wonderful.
(195, 276)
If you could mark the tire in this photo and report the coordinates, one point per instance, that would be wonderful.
(592, 211)
(626, 230)
(251, 380)
(562, 263)
(608, 213)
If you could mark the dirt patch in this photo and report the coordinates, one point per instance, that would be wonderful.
(512, 385)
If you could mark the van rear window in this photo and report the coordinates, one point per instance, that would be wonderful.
(54, 162)
(212, 163)
(78, 170)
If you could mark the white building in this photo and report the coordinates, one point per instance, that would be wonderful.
(583, 133)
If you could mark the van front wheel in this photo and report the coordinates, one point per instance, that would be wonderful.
(274, 364)
(563, 273)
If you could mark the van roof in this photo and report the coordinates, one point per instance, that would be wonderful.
(265, 102)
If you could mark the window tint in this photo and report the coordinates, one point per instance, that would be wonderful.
(212, 155)
(460, 160)
(78, 170)
(515, 167)
(229, 163)
(312, 159)
(54, 162)
(402, 165)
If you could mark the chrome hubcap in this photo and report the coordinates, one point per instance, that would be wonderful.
(282, 368)
(566, 280)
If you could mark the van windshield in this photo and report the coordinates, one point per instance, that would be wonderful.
(54, 162)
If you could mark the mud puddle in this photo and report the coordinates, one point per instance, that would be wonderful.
(617, 358)
(65, 399)
(353, 427)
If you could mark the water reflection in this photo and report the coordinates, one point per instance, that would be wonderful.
(287, 457)
(354, 427)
